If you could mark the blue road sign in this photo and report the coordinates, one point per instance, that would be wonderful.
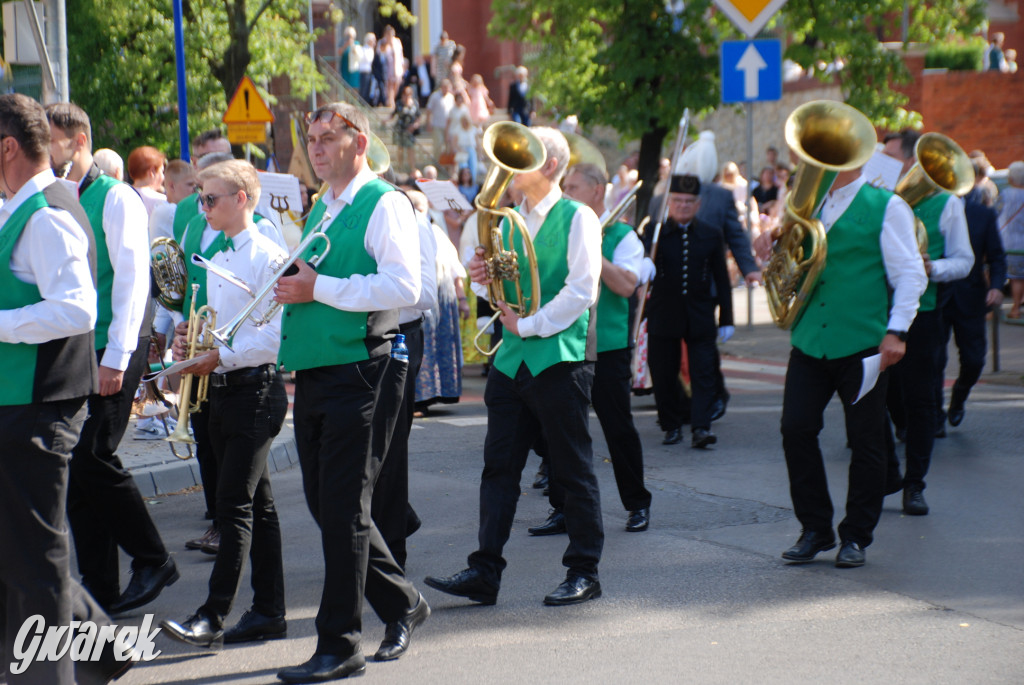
(751, 70)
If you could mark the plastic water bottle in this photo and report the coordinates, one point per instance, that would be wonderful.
(399, 350)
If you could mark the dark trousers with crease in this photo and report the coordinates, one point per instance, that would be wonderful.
(35, 576)
(390, 506)
(556, 403)
(810, 385)
(342, 427)
(105, 507)
(969, 332)
(243, 422)
(664, 357)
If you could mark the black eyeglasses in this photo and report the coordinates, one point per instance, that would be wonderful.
(326, 116)
(209, 199)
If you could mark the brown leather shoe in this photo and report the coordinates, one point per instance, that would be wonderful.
(198, 542)
(212, 545)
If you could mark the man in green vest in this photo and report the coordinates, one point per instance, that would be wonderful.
(336, 337)
(47, 315)
(847, 319)
(105, 508)
(622, 255)
(540, 385)
(949, 258)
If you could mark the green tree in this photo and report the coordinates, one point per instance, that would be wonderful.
(122, 62)
(636, 65)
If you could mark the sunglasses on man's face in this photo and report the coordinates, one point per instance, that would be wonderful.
(326, 116)
(209, 199)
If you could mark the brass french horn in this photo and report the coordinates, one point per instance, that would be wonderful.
(828, 137)
(512, 149)
(167, 262)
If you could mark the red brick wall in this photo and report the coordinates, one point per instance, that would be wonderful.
(979, 110)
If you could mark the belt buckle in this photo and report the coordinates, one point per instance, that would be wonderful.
(218, 380)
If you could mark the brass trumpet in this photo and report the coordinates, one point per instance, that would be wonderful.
(200, 327)
(512, 149)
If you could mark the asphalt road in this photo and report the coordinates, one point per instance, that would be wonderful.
(701, 597)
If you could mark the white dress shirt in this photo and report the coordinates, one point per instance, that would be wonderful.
(52, 253)
(126, 232)
(958, 257)
(629, 253)
(428, 273)
(254, 258)
(581, 285)
(392, 240)
(161, 221)
(904, 268)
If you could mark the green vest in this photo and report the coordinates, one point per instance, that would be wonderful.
(929, 211)
(552, 247)
(184, 212)
(612, 309)
(92, 201)
(848, 311)
(197, 274)
(314, 334)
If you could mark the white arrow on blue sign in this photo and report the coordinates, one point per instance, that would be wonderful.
(751, 70)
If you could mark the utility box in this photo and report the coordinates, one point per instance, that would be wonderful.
(19, 42)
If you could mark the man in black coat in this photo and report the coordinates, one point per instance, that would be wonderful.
(691, 280)
(964, 304)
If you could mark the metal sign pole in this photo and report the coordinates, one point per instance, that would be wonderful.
(750, 223)
(179, 62)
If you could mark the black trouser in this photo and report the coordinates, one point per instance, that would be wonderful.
(341, 429)
(35, 576)
(556, 403)
(105, 507)
(810, 385)
(916, 374)
(970, 343)
(205, 456)
(664, 355)
(390, 507)
(244, 418)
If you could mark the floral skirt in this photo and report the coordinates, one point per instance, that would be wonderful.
(440, 377)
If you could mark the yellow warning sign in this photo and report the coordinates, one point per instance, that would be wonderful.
(247, 133)
(246, 106)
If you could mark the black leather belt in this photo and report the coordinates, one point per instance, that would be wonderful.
(409, 325)
(248, 376)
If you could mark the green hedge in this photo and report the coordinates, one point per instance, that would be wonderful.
(962, 57)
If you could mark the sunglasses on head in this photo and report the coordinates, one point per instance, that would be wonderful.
(326, 116)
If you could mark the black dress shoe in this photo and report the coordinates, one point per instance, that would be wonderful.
(913, 501)
(197, 630)
(201, 540)
(555, 525)
(397, 633)
(638, 520)
(468, 583)
(254, 626)
(541, 479)
(851, 555)
(145, 585)
(955, 414)
(702, 438)
(718, 408)
(673, 437)
(574, 590)
(324, 667)
(808, 545)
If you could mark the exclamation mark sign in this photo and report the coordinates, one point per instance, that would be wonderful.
(246, 94)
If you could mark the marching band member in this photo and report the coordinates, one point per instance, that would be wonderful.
(105, 507)
(247, 405)
(540, 384)
(336, 337)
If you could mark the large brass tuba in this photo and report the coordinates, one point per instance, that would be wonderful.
(941, 165)
(167, 262)
(828, 137)
(512, 149)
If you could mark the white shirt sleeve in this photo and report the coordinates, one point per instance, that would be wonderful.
(161, 221)
(581, 285)
(904, 268)
(428, 273)
(52, 253)
(271, 230)
(392, 239)
(958, 257)
(629, 254)
(126, 230)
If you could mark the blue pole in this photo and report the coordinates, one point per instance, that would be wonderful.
(179, 58)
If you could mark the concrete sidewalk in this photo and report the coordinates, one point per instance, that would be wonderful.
(158, 472)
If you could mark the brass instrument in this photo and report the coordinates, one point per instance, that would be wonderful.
(377, 157)
(167, 262)
(512, 149)
(582, 151)
(941, 165)
(621, 208)
(828, 137)
(200, 326)
(226, 334)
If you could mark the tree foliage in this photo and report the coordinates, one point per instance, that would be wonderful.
(122, 63)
